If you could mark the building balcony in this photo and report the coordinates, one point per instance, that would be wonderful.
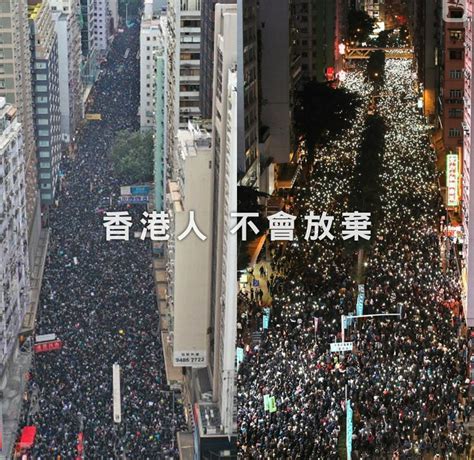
(189, 94)
(183, 79)
(191, 30)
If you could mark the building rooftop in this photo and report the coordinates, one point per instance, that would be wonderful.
(193, 139)
(33, 10)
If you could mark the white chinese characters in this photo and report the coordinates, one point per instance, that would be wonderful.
(157, 223)
(356, 226)
(117, 225)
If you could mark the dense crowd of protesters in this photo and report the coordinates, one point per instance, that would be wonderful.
(98, 298)
(406, 377)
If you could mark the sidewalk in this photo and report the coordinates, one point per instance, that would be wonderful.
(256, 280)
(36, 280)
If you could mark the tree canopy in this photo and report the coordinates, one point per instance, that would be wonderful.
(360, 26)
(132, 156)
(323, 112)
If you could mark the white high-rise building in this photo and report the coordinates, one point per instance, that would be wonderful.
(152, 46)
(102, 32)
(14, 280)
(68, 30)
(468, 171)
(183, 49)
(224, 300)
(189, 287)
(203, 170)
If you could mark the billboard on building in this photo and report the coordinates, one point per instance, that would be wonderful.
(452, 179)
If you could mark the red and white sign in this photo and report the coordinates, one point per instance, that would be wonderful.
(47, 346)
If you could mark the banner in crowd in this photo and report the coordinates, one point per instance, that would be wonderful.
(47, 346)
(349, 429)
(360, 300)
(266, 403)
(240, 355)
(266, 317)
(269, 403)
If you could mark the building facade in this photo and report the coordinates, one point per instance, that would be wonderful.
(278, 74)
(468, 172)
(207, 54)
(14, 264)
(248, 93)
(152, 45)
(15, 86)
(183, 70)
(44, 43)
(89, 48)
(224, 257)
(102, 30)
(66, 20)
(452, 83)
(160, 163)
(425, 30)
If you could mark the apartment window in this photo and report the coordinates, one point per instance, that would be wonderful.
(190, 23)
(45, 164)
(455, 74)
(455, 55)
(46, 196)
(41, 88)
(454, 132)
(41, 110)
(42, 121)
(45, 175)
(41, 77)
(44, 153)
(456, 13)
(456, 34)
(455, 113)
(43, 132)
(2, 84)
(46, 186)
(40, 65)
(455, 94)
(41, 99)
(43, 144)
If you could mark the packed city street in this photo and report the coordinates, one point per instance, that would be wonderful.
(406, 377)
(98, 298)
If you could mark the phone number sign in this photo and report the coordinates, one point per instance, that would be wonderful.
(194, 358)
